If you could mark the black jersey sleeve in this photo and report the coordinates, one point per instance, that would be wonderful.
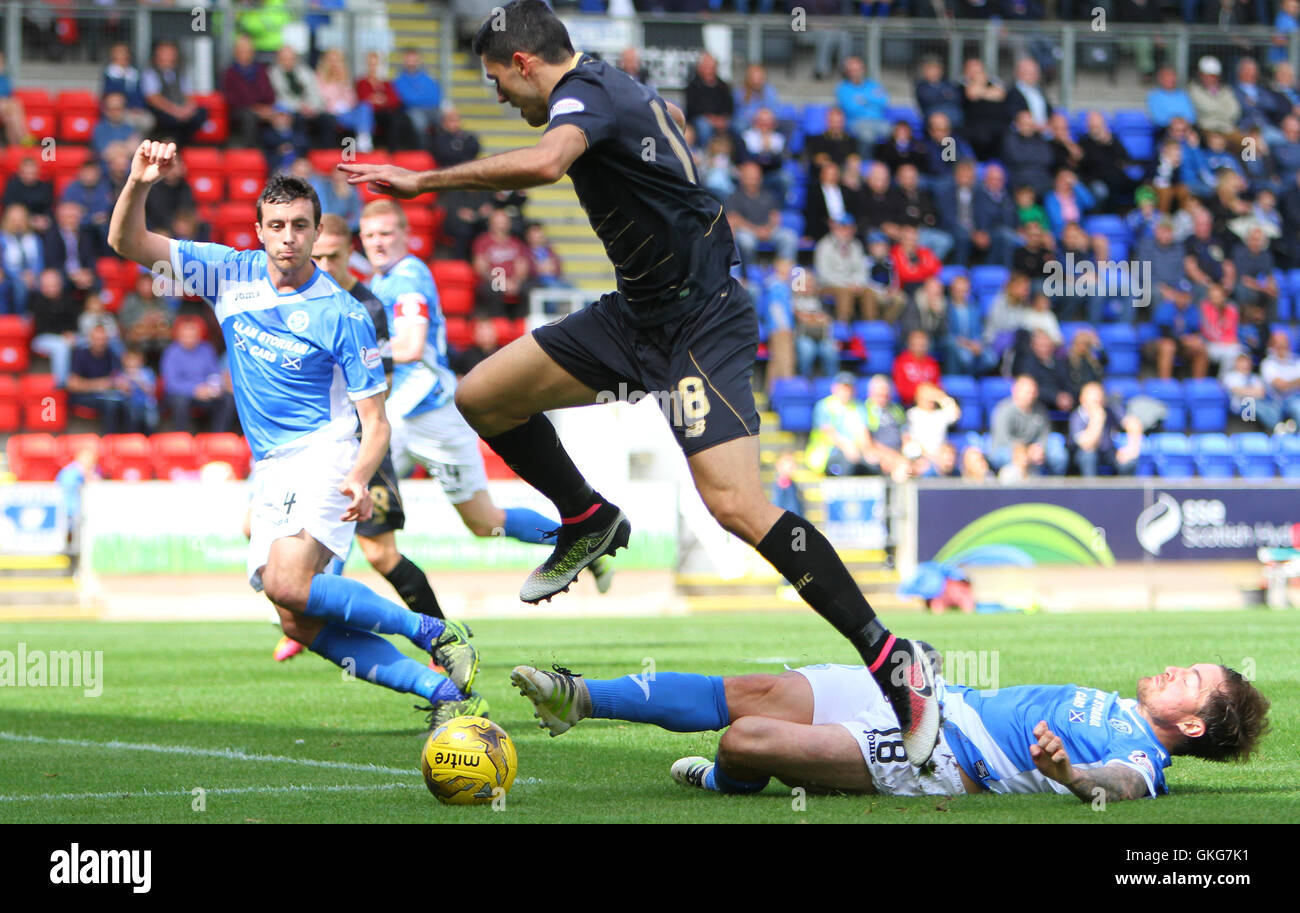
(583, 102)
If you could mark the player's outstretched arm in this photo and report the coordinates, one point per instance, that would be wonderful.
(1114, 782)
(517, 169)
(375, 435)
(127, 234)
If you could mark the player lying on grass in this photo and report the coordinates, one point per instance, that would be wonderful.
(679, 328)
(305, 367)
(829, 727)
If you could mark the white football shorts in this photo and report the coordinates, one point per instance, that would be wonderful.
(849, 696)
(298, 491)
(444, 443)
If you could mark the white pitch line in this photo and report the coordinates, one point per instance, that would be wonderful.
(228, 754)
(220, 791)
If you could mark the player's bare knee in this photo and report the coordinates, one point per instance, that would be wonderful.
(286, 589)
(743, 741)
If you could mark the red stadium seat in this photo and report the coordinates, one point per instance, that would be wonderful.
(415, 160)
(236, 161)
(61, 182)
(10, 405)
(495, 466)
(208, 186)
(14, 155)
(460, 333)
(69, 158)
(508, 330)
(78, 112)
(39, 109)
(420, 218)
(201, 158)
(323, 160)
(420, 244)
(45, 406)
(127, 457)
(216, 129)
(34, 457)
(224, 447)
(15, 343)
(71, 444)
(233, 225)
(174, 454)
(455, 281)
(240, 237)
(245, 186)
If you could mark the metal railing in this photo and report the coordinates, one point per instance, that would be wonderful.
(1072, 53)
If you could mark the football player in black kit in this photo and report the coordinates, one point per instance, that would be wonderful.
(679, 328)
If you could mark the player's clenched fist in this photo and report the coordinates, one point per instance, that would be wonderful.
(152, 161)
(1049, 755)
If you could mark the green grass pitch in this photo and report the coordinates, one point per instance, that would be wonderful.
(195, 706)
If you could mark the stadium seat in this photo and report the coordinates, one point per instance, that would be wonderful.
(33, 457)
(70, 158)
(1207, 404)
(39, 110)
(1072, 328)
(1254, 455)
(244, 186)
(1122, 388)
(203, 158)
(78, 111)
(209, 186)
(1172, 455)
(414, 160)
(223, 447)
(71, 444)
(1139, 144)
(15, 343)
(44, 404)
(509, 330)
(1286, 452)
(796, 416)
(240, 160)
(455, 282)
(1120, 343)
(174, 454)
(987, 279)
(878, 341)
(814, 119)
(216, 129)
(821, 387)
(460, 332)
(1169, 392)
(951, 272)
(10, 405)
(1213, 455)
(994, 390)
(127, 457)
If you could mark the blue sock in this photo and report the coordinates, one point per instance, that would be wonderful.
(718, 780)
(527, 525)
(376, 660)
(354, 604)
(676, 701)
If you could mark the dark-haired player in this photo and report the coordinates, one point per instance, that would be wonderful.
(678, 327)
(828, 726)
(305, 366)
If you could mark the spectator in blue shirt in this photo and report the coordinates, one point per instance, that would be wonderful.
(420, 93)
(121, 76)
(192, 379)
(776, 315)
(1179, 323)
(92, 192)
(934, 94)
(964, 351)
(864, 101)
(1169, 100)
(337, 196)
(755, 95)
(113, 127)
(11, 112)
(1286, 22)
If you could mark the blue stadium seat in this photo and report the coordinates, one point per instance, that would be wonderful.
(1207, 404)
(1214, 457)
(1286, 452)
(1254, 455)
(1111, 226)
(1120, 343)
(796, 416)
(788, 389)
(961, 386)
(966, 439)
(1071, 328)
(1172, 455)
(987, 277)
(878, 338)
(901, 112)
(951, 272)
(814, 119)
(1146, 332)
(992, 391)
(821, 388)
(1169, 392)
(1131, 119)
(1139, 144)
(1123, 388)
(972, 416)
(1079, 123)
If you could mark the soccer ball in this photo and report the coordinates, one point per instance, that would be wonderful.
(468, 761)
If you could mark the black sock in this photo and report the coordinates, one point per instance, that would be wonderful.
(412, 585)
(809, 562)
(534, 452)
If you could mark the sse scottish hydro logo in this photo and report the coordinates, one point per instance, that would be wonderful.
(1028, 534)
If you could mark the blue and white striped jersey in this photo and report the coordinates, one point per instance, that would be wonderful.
(298, 359)
(991, 731)
(409, 295)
